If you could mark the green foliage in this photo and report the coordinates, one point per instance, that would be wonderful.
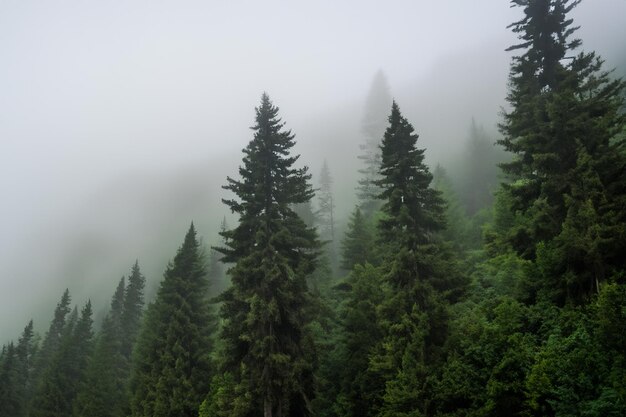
(413, 210)
(359, 389)
(105, 390)
(16, 374)
(566, 178)
(267, 347)
(421, 278)
(172, 369)
(358, 244)
(61, 381)
(458, 226)
(132, 310)
(478, 172)
(10, 398)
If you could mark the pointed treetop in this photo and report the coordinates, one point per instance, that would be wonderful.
(544, 32)
(190, 237)
(117, 301)
(376, 105)
(135, 267)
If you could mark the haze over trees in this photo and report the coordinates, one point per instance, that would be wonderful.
(435, 298)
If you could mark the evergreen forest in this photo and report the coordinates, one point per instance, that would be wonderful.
(493, 289)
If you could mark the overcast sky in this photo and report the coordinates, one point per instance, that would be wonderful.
(94, 91)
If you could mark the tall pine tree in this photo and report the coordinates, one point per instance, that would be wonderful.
(567, 174)
(62, 379)
(103, 392)
(172, 367)
(421, 277)
(268, 352)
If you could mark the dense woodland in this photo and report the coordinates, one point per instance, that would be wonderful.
(497, 289)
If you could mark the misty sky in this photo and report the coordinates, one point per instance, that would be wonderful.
(116, 99)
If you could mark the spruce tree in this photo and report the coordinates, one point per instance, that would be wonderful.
(421, 276)
(26, 352)
(373, 127)
(16, 371)
(566, 177)
(478, 170)
(326, 210)
(172, 369)
(50, 345)
(359, 389)
(326, 214)
(132, 310)
(9, 382)
(51, 341)
(358, 244)
(103, 391)
(268, 350)
(413, 211)
(61, 381)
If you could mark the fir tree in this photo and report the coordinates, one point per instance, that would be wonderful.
(50, 345)
(326, 211)
(10, 401)
(16, 369)
(61, 381)
(326, 214)
(359, 389)
(421, 276)
(171, 366)
(478, 173)
(358, 244)
(457, 224)
(51, 341)
(413, 211)
(373, 127)
(103, 392)
(569, 161)
(267, 345)
(26, 352)
(132, 310)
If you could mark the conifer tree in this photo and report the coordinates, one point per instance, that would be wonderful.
(457, 224)
(172, 369)
(413, 211)
(132, 310)
(49, 346)
(61, 381)
(326, 214)
(373, 127)
(268, 351)
(326, 210)
(103, 391)
(26, 352)
(10, 401)
(359, 390)
(566, 178)
(478, 170)
(421, 275)
(16, 369)
(358, 244)
(51, 341)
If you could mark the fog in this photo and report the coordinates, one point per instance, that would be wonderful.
(119, 121)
